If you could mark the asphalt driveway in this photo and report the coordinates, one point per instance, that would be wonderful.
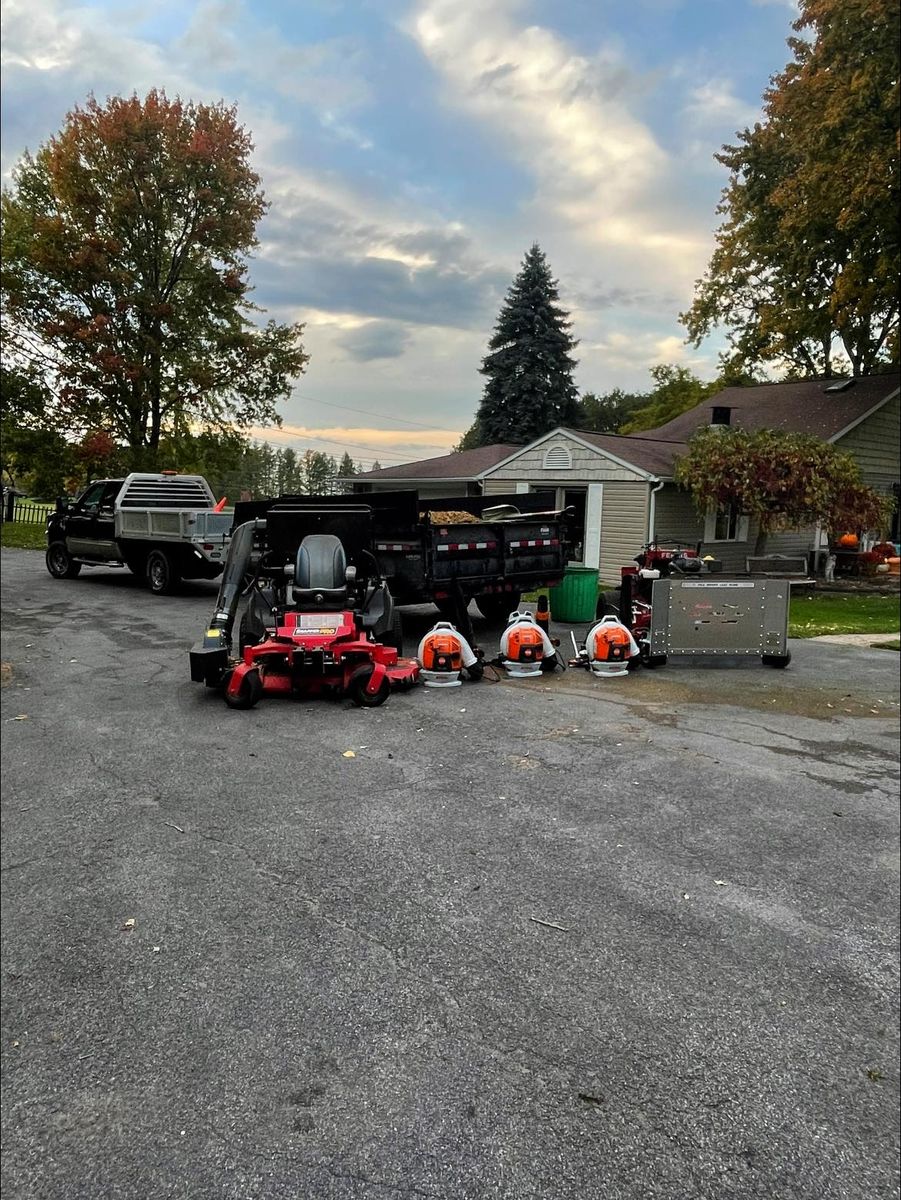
(561, 938)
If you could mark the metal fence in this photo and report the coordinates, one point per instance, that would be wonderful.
(24, 512)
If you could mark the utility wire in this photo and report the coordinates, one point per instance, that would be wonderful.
(365, 413)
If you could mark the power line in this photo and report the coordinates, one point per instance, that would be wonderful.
(374, 450)
(365, 413)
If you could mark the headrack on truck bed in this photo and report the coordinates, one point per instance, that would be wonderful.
(447, 550)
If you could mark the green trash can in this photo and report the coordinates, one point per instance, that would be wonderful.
(576, 598)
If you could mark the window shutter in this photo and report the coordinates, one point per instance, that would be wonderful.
(558, 458)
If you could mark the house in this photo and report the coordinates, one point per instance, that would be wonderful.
(621, 485)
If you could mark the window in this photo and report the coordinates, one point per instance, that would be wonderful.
(725, 524)
(558, 458)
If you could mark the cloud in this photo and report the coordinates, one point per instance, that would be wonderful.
(375, 340)
(714, 104)
(564, 115)
(361, 440)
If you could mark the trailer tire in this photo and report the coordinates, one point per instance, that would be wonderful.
(356, 689)
(160, 573)
(649, 660)
(395, 635)
(496, 606)
(779, 661)
(60, 563)
(249, 692)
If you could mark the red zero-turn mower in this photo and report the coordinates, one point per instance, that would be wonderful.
(631, 602)
(312, 625)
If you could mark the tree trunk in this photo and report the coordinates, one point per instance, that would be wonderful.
(760, 543)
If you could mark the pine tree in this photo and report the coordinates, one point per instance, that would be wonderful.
(347, 466)
(530, 388)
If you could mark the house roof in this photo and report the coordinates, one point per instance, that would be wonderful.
(798, 406)
(465, 464)
(655, 455)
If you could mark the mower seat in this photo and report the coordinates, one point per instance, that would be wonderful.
(320, 572)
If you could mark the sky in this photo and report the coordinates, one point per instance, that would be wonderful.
(412, 150)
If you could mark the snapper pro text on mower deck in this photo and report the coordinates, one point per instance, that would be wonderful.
(319, 617)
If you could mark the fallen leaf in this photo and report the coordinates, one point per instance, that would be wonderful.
(21, 717)
(720, 882)
(156, 949)
(129, 924)
(686, 896)
(348, 754)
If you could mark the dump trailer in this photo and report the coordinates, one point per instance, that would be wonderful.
(163, 527)
(452, 550)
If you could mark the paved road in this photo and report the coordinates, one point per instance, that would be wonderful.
(557, 939)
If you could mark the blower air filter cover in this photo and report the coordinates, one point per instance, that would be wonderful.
(522, 670)
(607, 670)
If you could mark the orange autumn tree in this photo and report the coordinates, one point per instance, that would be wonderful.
(779, 480)
(125, 247)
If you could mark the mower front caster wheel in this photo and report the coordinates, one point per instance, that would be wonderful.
(356, 689)
(249, 691)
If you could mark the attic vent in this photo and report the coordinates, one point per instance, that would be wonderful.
(721, 416)
(558, 458)
(841, 385)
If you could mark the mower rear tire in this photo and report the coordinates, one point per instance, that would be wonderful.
(248, 693)
(249, 632)
(496, 606)
(60, 563)
(779, 661)
(161, 574)
(356, 689)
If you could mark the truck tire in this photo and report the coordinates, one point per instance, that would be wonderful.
(60, 563)
(496, 606)
(161, 574)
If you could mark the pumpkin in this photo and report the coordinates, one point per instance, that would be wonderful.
(849, 540)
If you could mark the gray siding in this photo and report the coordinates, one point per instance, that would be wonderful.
(624, 527)
(589, 466)
(876, 444)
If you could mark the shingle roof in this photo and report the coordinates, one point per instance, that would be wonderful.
(465, 464)
(799, 406)
(651, 454)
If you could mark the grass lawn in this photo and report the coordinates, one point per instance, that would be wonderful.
(813, 615)
(22, 536)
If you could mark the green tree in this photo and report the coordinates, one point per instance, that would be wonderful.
(608, 412)
(529, 366)
(316, 473)
(347, 466)
(124, 244)
(779, 480)
(806, 262)
(34, 457)
(676, 390)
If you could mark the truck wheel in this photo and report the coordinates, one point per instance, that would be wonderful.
(249, 692)
(495, 606)
(356, 689)
(162, 578)
(60, 563)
